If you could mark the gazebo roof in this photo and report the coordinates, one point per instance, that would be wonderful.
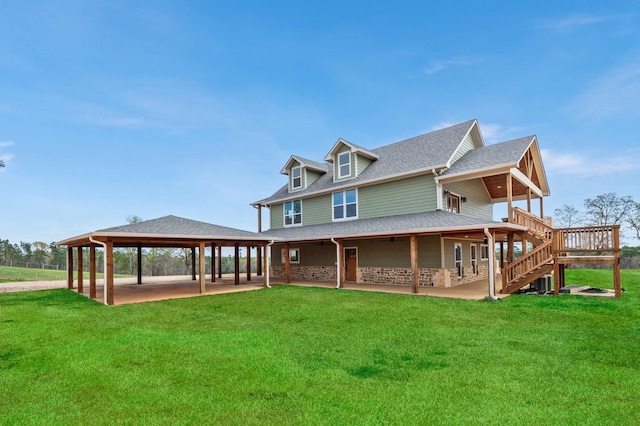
(167, 231)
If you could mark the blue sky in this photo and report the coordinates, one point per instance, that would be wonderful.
(112, 109)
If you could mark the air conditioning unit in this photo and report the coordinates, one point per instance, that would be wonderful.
(544, 283)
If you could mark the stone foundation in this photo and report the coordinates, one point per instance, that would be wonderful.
(429, 277)
(307, 273)
(397, 276)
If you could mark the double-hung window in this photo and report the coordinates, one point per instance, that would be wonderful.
(345, 204)
(344, 165)
(293, 213)
(453, 203)
(296, 178)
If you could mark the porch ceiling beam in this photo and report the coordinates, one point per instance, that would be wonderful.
(523, 179)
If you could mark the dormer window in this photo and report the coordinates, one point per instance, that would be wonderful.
(296, 178)
(344, 165)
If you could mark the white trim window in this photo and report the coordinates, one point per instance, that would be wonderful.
(296, 177)
(457, 255)
(294, 255)
(345, 205)
(292, 213)
(474, 259)
(344, 165)
(484, 252)
(453, 203)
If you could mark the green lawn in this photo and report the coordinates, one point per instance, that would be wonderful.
(299, 355)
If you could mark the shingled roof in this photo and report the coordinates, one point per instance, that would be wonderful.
(415, 223)
(501, 154)
(422, 153)
(171, 228)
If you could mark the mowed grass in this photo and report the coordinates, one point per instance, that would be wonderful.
(299, 355)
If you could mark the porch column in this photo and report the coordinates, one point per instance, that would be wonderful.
(108, 274)
(415, 272)
(193, 263)
(529, 200)
(492, 258)
(541, 207)
(139, 264)
(287, 264)
(258, 248)
(501, 255)
(510, 247)
(201, 266)
(248, 263)
(92, 271)
(213, 262)
(510, 197)
(342, 263)
(80, 272)
(237, 263)
(69, 268)
(220, 262)
(525, 247)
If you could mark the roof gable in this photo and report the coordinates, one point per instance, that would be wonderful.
(353, 147)
(309, 164)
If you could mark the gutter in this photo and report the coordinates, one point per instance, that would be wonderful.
(104, 246)
(338, 265)
(492, 263)
(267, 277)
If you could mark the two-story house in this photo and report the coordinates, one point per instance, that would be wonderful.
(417, 211)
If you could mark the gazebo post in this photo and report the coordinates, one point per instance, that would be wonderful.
(70, 267)
(236, 271)
(139, 264)
(248, 263)
(80, 270)
(193, 263)
(213, 262)
(220, 261)
(201, 266)
(108, 274)
(92, 271)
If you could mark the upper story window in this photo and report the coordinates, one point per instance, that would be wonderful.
(296, 178)
(453, 203)
(344, 165)
(345, 204)
(293, 213)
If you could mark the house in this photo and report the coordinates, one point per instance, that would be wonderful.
(417, 212)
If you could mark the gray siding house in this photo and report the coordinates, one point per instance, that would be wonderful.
(416, 212)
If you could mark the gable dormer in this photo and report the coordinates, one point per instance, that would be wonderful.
(349, 160)
(302, 172)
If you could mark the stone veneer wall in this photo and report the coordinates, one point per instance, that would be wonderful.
(430, 277)
(401, 276)
(307, 273)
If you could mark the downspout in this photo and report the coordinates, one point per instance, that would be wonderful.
(104, 246)
(492, 262)
(338, 265)
(267, 275)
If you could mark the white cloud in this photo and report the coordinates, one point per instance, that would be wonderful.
(439, 65)
(4, 144)
(614, 94)
(575, 22)
(581, 165)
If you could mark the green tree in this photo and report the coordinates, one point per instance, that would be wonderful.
(40, 252)
(58, 255)
(1, 164)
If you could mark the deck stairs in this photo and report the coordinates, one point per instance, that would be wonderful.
(535, 263)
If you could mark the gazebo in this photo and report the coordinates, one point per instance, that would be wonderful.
(167, 231)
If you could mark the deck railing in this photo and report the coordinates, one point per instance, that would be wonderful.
(536, 258)
(589, 239)
(537, 226)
